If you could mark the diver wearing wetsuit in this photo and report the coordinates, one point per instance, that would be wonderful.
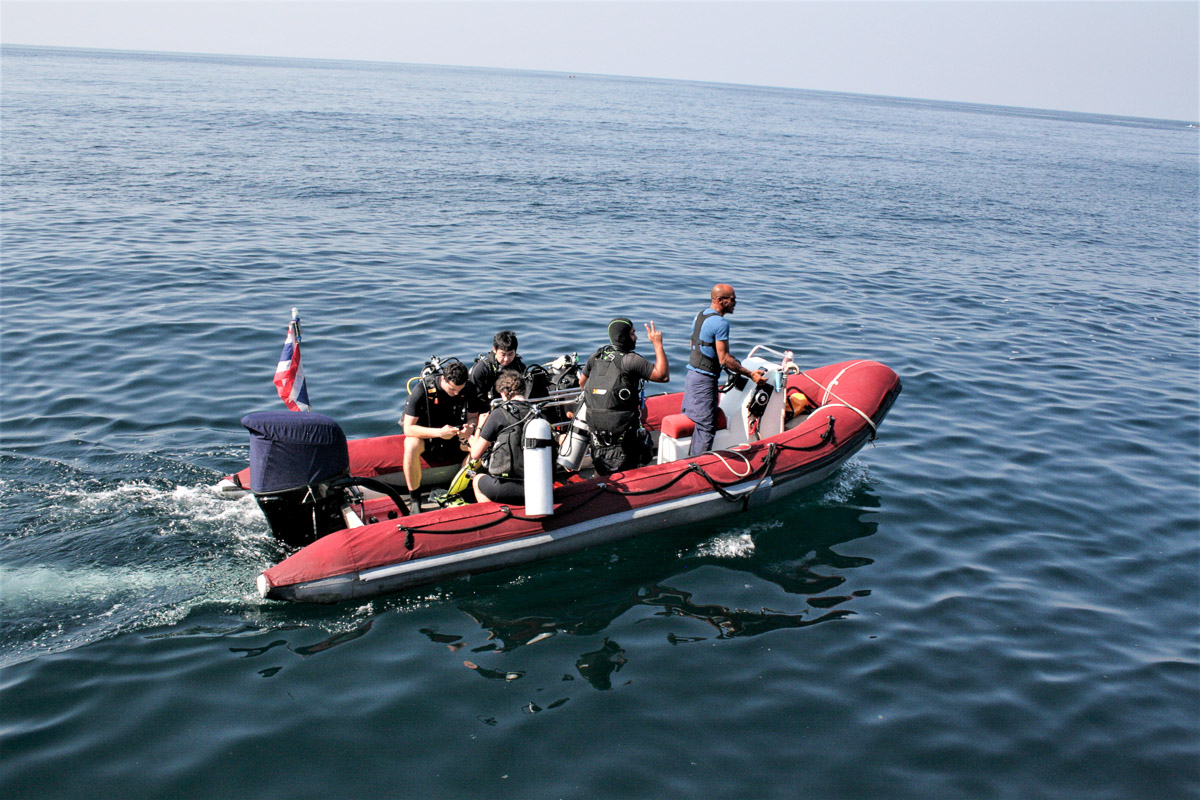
(434, 420)
(612, 391)
(487, 368)
(503, 433)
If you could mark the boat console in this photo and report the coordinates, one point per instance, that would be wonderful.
(747, 412)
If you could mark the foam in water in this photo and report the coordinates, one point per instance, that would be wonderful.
(206, 549)
(740, 543)
(852, 477)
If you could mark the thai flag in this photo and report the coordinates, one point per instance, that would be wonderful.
(289, 375)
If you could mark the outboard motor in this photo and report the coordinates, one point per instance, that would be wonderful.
(294, 457)
(538, 446)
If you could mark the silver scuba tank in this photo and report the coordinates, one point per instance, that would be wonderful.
(574, 447)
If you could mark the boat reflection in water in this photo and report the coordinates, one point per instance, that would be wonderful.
(668, 577)
(799, 558)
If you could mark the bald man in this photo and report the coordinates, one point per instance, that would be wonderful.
(710, 353)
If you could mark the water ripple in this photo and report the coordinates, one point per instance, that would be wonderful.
(993, 600)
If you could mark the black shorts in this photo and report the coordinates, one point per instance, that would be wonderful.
(441, 452)
(503, 490)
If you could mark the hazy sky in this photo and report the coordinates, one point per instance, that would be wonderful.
(1131, 58)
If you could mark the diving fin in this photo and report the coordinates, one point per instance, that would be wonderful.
(462, 481)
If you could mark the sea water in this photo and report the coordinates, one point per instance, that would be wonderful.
(998, 599)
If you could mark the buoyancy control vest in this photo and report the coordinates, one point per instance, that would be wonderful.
(537, 382)
(440, 407)
(612, 395)
(698, 359)
(493, 370)
(507, 458)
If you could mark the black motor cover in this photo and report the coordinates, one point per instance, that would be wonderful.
(292, 455)
(290, 449)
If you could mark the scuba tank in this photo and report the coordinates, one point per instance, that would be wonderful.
(564, 372)
(562, 375)
(538, 452)
(524, 451)
(570, 456)
(432, 367)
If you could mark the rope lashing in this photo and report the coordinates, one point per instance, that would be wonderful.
(765, 468)
(841, 401)
(828, 436)
(505, 515)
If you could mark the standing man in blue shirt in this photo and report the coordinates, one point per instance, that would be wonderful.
(710, 353)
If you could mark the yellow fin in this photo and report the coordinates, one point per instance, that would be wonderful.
(463, 479)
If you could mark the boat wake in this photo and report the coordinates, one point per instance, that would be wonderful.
(851, 479)
(86, 561)
(739, 544)
(83, 561)
(728, 545)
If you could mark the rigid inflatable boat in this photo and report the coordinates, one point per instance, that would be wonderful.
(344, 496)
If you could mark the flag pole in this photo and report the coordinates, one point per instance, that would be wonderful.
(289, 375)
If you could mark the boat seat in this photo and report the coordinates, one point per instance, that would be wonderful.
(675, 435)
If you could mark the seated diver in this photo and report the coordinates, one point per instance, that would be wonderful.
(502, 433)
(612, 391)
(433, 425)
(487, 369)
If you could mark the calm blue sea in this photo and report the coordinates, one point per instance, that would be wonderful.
(999, 599)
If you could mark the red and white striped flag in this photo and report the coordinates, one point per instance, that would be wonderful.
(289, 375)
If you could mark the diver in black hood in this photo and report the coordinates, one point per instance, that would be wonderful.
(612, 390)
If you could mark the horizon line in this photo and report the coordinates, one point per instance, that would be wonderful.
(838, 92)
